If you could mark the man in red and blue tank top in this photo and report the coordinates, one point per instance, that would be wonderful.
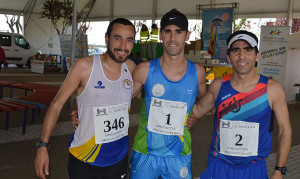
(243, 125)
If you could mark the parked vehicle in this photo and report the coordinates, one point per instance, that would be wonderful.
(17, 49)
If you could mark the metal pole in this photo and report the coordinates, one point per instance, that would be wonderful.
(74, 31)
(111, 12)
(154, 11)
(290, 14)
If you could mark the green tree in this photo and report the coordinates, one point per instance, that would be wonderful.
(57, 10)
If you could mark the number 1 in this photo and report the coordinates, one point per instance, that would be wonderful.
(168, 120)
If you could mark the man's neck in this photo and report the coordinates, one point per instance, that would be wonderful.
(111, 68)
(173, 67)
(244, 82)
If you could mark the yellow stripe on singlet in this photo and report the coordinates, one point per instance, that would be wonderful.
(86, 152)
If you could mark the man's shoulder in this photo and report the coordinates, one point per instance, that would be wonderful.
(274, 85)
(130, 65)
(84, 63)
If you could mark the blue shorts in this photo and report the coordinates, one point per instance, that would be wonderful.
(153, 167)
(220, 169)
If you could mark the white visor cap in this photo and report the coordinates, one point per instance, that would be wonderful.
(244, 37)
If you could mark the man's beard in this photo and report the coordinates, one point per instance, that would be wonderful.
(112, 55)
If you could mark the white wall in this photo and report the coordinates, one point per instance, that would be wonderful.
(292, 74)
(39, 32)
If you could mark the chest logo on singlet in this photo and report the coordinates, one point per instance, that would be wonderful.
(158, 90)
(127, 84)
(99, 85)
(233, 106)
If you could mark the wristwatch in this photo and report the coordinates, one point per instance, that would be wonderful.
(283, 170)
(40, 143)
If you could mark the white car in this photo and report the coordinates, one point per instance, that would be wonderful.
(17, 49)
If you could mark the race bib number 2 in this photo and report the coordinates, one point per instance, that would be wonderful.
(239, 138)
(111, 123)
(167, 117)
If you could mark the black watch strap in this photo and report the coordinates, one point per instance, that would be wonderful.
(42, 144)
(283, 170)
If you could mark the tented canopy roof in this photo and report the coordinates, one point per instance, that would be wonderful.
(143, 9)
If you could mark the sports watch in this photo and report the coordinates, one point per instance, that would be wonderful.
(42, 144)
(283, 170)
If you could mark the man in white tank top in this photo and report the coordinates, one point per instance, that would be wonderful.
(96, 79)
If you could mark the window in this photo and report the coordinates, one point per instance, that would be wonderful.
(21, 42)
(5, 40)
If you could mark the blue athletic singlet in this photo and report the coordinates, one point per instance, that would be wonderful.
(242, 126)
(157, 87)
(99, 104)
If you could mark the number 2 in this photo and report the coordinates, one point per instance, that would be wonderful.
(240, 138)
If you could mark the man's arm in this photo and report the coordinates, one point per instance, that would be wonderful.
(278, 104)
(139, 77)
(202, 89)
(207, 102)
(71, 83)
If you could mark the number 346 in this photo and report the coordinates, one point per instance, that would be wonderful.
(115, 125)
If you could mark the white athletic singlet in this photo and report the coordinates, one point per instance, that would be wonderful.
(103, 103)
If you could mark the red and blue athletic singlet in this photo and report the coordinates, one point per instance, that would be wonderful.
(242, 125)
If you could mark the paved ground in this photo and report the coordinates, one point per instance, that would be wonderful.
(17, 151)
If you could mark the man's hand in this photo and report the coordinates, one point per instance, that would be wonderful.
(42, 162)
(75, 120)
(191, 121)
(277, 175)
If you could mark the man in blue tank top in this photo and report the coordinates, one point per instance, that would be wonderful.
(243, 125)
(104, 87)
(169, 85)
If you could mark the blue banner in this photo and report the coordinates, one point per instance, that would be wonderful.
(217, 26)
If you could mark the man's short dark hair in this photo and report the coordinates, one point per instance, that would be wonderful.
(122, 21)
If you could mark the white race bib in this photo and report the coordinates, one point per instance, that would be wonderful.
(111, 123)
(167, 117)
(239, 138)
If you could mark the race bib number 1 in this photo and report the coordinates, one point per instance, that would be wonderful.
(167, 117)
(111, 123)
(239, 138)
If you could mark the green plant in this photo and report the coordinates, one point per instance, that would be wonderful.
(57, 10)
(243, 24)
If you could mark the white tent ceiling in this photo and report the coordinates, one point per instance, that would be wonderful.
(39, 32)
(142, 9)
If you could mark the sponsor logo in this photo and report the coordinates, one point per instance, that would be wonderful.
(127, 84)
(233, 106)
(225, 124)
(123, 176)
(101, 112)
(184, 172)
(158, 90)
(189, 91)
(172, 18)
(225, 97)
(99, 85)
(275, 32)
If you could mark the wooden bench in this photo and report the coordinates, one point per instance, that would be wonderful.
(42, 97)
(8, 105)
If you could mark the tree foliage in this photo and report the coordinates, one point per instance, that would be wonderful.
(14, 22)
(243, 24)
(57, 10)
(283, 22)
